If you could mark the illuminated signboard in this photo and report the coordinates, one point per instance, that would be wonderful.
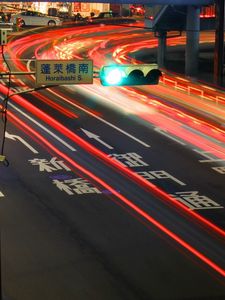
(150, 2)
(59, 72)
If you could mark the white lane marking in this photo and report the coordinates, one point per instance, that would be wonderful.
(195, 131)
(19, 138)
(163, 132)
(102, 120)
(43, 127)
(96, 137)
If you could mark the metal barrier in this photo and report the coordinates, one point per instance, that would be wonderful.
(197, 89)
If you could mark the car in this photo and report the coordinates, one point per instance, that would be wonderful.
(109, 18)
(137, 9)
(104, 15)
(34, 18)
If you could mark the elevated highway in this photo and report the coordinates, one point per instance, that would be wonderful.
(153, 2)
(191, 23)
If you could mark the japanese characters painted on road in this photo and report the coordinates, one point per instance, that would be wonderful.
(210, 158)
(67, 184)
(59, 72)
(192, 199)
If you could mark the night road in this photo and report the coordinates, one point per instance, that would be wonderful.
(110, 192)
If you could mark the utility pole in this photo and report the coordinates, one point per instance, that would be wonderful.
(1, 292)
(219, 43)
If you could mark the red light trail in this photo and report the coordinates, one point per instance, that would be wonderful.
(101, 155)
(126, 201)
(157, 119)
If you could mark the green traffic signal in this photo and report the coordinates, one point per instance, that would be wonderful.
(114, 75)
(119, 75)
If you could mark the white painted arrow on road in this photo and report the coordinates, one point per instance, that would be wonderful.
(17, 137)
(96, 137)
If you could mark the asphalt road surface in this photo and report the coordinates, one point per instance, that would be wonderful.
(86, 243)
(79, 222)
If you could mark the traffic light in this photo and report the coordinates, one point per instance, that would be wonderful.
(118, 75)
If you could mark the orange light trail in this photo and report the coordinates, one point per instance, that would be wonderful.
(196, 89)
(137, 178)
(177, 83)
(168, 120)
(74, 102)
(56, 106)
(134, 207)
(209, 100)
(118, 166)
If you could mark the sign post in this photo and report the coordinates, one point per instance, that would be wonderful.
(59, 72)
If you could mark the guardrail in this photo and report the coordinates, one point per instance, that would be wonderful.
(196, 89)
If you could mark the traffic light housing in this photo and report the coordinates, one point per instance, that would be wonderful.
(119, 75)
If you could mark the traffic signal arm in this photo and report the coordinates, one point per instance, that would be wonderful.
(120, 75)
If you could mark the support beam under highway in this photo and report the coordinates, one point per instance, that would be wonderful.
(219, 43)
(192, 42)
(162, 37)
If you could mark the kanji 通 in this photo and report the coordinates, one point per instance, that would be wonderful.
(195, 201)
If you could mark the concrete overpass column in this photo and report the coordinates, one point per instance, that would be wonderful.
(125, 10)
(161, 51)
(192, 43)
(70, 9)
(219, 43)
